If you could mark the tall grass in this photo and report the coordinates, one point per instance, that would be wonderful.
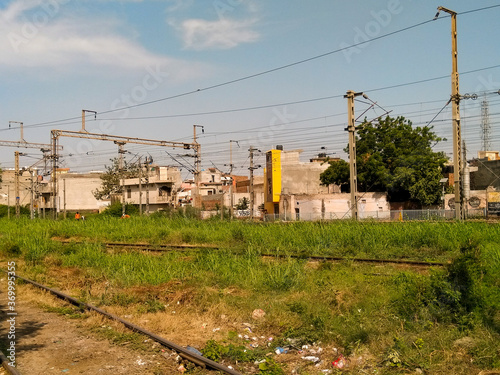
(403, 318)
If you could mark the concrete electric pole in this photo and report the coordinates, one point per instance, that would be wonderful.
(252, 168)
(351, 128)
(121, 168)
(455, 98)
(197, 167)
(231, 193)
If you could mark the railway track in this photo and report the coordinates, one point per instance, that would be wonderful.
(168, 247)
(5, 363)
(181, 351)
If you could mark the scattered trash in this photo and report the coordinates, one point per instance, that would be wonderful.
(65, 370)
(193, 350)
(280, 350)
(339, 362)
(216, 329)
(204, 325)
(311, 358)
(319, 364)
(181, 369)
(140, 362)
(258, 314)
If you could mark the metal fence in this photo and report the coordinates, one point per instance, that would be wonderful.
(395, 215)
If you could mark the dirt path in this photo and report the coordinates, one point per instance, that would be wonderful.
(48, 343)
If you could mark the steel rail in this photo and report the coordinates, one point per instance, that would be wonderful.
(5, 363)
(149, 247)
(183, 352)
(361, 260)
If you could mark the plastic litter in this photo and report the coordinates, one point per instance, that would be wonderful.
(340, 362)
(258, 314)
(193, 350)
(311, 358)
(280, 350)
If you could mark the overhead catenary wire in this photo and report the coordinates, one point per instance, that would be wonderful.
(265, 72)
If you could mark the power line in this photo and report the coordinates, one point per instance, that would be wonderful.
(269, 70)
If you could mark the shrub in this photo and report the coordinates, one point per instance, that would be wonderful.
(116, 210)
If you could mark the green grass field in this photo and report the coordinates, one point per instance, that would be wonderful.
(401, 319)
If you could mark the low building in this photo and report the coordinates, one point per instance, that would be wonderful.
(27, 182)
(158, 190)
(285, 175)
(332, 206)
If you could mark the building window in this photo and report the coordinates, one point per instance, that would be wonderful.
(129, 193)
(164, 191)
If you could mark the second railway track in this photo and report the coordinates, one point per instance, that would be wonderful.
(172, 247)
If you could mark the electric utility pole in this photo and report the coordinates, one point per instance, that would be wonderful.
(351, 128)
(140, 187)
(455, 98)
(16, 181)
(231, 193)
(121, 151)
(197, 167)
(251, 168)
(83, 118)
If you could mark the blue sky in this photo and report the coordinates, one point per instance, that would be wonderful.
(61, 56)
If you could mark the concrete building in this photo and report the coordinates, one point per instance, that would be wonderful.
(285, 174)
(74, 192)
(486, 175)
(215, 191)
(333, 206)
(27, 181)
(157, 191)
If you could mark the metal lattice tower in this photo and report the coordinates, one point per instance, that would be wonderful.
(485, 124)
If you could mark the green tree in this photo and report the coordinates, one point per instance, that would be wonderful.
(243, 204)
(394, 157)
(110, 180)
(337, 173)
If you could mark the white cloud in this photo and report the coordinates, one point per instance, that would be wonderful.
(46, 33)
(224, 33)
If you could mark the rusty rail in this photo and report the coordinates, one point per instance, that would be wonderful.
(163, 247)
(183, 352)
(5, 363)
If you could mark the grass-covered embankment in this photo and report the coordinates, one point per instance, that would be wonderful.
(400, 319)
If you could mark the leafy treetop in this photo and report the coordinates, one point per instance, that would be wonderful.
(394, 157)
(110, 180)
